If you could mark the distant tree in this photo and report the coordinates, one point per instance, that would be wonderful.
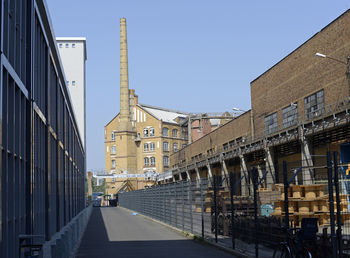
(98, 188)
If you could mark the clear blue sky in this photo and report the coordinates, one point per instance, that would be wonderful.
(193, 55)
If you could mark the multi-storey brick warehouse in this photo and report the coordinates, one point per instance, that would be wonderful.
(301, 74)
(140, 139)
(157, 135)
(299, 111)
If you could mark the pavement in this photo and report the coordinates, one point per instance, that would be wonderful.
(116, 232)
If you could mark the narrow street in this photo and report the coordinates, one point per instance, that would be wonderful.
(115, 232)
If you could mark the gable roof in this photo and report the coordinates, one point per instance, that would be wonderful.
(166, 115)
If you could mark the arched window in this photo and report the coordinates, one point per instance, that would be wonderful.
(145, 147)
(153, 161)
(112, 136)
(113, 149)
(165, 146)
(166, 161)
(175, 147)
(146, 162)
(152, 146)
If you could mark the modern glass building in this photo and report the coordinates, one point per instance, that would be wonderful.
(42, 160)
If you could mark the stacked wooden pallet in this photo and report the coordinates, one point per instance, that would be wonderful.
(308, 201)
(243, 204)
(268, 196)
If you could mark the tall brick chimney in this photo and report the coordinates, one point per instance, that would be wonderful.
(125, 122)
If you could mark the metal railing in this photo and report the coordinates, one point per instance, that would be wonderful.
(257, 223)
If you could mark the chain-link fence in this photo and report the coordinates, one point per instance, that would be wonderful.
(272, 214)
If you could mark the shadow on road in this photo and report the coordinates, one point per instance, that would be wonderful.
(96, 244)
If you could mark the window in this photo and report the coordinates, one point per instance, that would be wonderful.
(175, 147)
(67, 45)
(113, 163)
(166, 161)
(112, 136)
(153, 161)
(271, 123)
(152, 146)
(60, 45)
(184, 145)
(174, 133)
(113, 149)
(165, 131)
(151, 132)
(73, 45)
(146, 162)
(145, 132)
(145, 147)
(73, 83)
(314, 105)
(165, 146)
(290, 115)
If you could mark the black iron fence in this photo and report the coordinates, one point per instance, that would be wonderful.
(308, 200)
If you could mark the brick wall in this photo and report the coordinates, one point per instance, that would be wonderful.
(239, 127)
(301, 73)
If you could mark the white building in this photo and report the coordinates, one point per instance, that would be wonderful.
(73, 56)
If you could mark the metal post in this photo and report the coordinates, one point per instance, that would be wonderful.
(169, 204)
(215, 210)
(232, 211)
(175, 187)
(202, 206)
(286, 186)
(255, 187)
(191, 215)
(183, 205)
(164, 202)
(336, 183)
(331, 204)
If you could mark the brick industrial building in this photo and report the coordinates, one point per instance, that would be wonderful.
(300, 109)
(141, 138)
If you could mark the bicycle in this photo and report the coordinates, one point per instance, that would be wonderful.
(299, 244)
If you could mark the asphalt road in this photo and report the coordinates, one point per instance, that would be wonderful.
(115, 232)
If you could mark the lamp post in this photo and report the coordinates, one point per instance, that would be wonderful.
(237, 111)
(347, 63)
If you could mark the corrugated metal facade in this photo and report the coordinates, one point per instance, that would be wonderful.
(42, 162)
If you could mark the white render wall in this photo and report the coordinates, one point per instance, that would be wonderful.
(73, 61)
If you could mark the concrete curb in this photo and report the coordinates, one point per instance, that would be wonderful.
(194, 237)
(65, 243)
